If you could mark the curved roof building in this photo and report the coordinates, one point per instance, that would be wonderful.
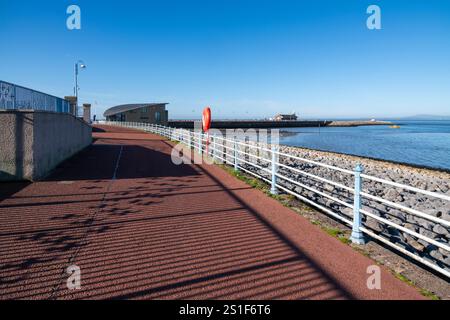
(138, 112)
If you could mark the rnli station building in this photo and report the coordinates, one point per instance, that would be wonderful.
(141, 112)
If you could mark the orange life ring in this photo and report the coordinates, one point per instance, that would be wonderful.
(206, 119)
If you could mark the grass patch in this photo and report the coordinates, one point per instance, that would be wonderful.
(253, 182)
(429, 294)
(332, 232)
(424, 292)
(338, 234)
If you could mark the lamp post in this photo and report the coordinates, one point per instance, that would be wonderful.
(78, 65)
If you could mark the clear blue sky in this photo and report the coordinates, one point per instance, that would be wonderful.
(247, 59)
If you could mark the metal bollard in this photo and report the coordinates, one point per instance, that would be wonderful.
(273, 188)
(357, 235)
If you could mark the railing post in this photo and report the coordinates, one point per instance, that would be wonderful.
(190, 139)
(236, 165)
(214, 147)
(224, 151)
(273, 188)
(14, 99)
(357, 235)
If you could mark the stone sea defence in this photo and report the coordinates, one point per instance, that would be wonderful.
(431, 180)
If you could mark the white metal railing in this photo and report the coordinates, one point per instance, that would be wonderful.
(270, 167)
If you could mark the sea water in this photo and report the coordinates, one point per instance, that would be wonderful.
(423, 143)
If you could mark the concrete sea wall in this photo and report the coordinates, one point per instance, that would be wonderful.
(32, 143)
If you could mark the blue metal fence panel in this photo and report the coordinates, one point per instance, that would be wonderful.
(6, 96)
(14, 97)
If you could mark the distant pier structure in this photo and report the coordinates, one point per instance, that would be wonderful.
(286, 117)
(268, 124)
(247, 124)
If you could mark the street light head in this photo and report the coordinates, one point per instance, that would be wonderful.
(80, 64)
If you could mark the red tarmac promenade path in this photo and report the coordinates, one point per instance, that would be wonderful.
(140, 227)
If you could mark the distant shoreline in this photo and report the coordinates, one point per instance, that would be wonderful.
(341, 123)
